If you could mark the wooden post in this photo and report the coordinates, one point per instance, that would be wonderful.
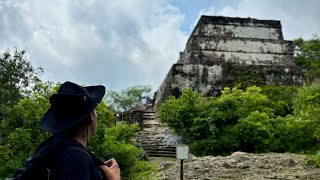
(182, 153)
(181, 169)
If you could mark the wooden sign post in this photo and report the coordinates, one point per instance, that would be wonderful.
(182, 154)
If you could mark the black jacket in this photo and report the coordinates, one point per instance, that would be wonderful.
(63, 158)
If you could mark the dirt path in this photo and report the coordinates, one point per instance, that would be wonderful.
(239, 166)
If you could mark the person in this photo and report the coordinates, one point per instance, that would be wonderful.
(144, 102)
(72, 119)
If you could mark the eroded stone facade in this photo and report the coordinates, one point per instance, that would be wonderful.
(224, 51)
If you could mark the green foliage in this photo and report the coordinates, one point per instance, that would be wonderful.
(128, 98)
(143, 170)
(19, 137)
(115, 142)
(307, 103)
(24, 99)
(307, 54)
(185, 114)
(16, 76)
(317, 158)
(254, 132)
(105, 116)
(246, 101)
(252, 120)
(281, 98)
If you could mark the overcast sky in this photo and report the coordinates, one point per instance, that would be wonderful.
(121, 43)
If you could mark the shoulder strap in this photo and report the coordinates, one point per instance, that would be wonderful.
(95, 159)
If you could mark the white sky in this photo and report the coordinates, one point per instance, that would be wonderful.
(124, 43)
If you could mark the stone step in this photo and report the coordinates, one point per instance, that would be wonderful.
(149, 113)
(150, 153)
(151, 125)
(161, 155)
(150, 122)
(149, 136)
(146, 141)
(148, 110)
(160, 151)
(149, 117)
(169, 151)
(152, 138)
(160, 147)
(151, 143)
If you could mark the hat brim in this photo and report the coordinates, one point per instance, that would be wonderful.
(50, 121)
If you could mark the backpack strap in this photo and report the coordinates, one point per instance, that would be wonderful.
(97, 162)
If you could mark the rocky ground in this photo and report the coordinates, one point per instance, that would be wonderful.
(239, 166)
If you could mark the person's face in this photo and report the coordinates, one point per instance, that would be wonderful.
(94, 119)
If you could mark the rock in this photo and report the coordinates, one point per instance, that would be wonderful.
(226, 165)
(240, 165)
(243, 165)
(192, 157)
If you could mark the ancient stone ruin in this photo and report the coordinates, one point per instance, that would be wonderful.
(224, 51)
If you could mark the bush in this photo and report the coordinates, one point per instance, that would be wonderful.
(115, 142)
(247, 120)
(143, 170)
(186, 115)
(317, 158)
(281, 98)
(254, 132)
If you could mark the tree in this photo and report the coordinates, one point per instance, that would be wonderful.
(24, 101)
(21, 132)
(307, 54)
(16, 76)
(187, 115)
(128, 98)
(245, 120)
(21, 135)
(281, 98)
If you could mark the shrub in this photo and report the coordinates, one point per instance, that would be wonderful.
(247, 120)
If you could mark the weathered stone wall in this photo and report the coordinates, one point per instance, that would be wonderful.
(238, 27)
(261, 75)
(242, 58)
(247, 45)
(205, 79)
(222, 52)
(239, 31)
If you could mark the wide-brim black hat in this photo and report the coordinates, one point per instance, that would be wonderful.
(70, 106)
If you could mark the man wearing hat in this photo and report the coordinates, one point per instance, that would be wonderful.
(73, 120)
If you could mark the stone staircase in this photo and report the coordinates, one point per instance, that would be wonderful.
(156, 139)
(150, 119)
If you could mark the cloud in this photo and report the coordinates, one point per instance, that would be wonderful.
(123, 43)
(116, 43)
(210, 11)
(298, 18)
